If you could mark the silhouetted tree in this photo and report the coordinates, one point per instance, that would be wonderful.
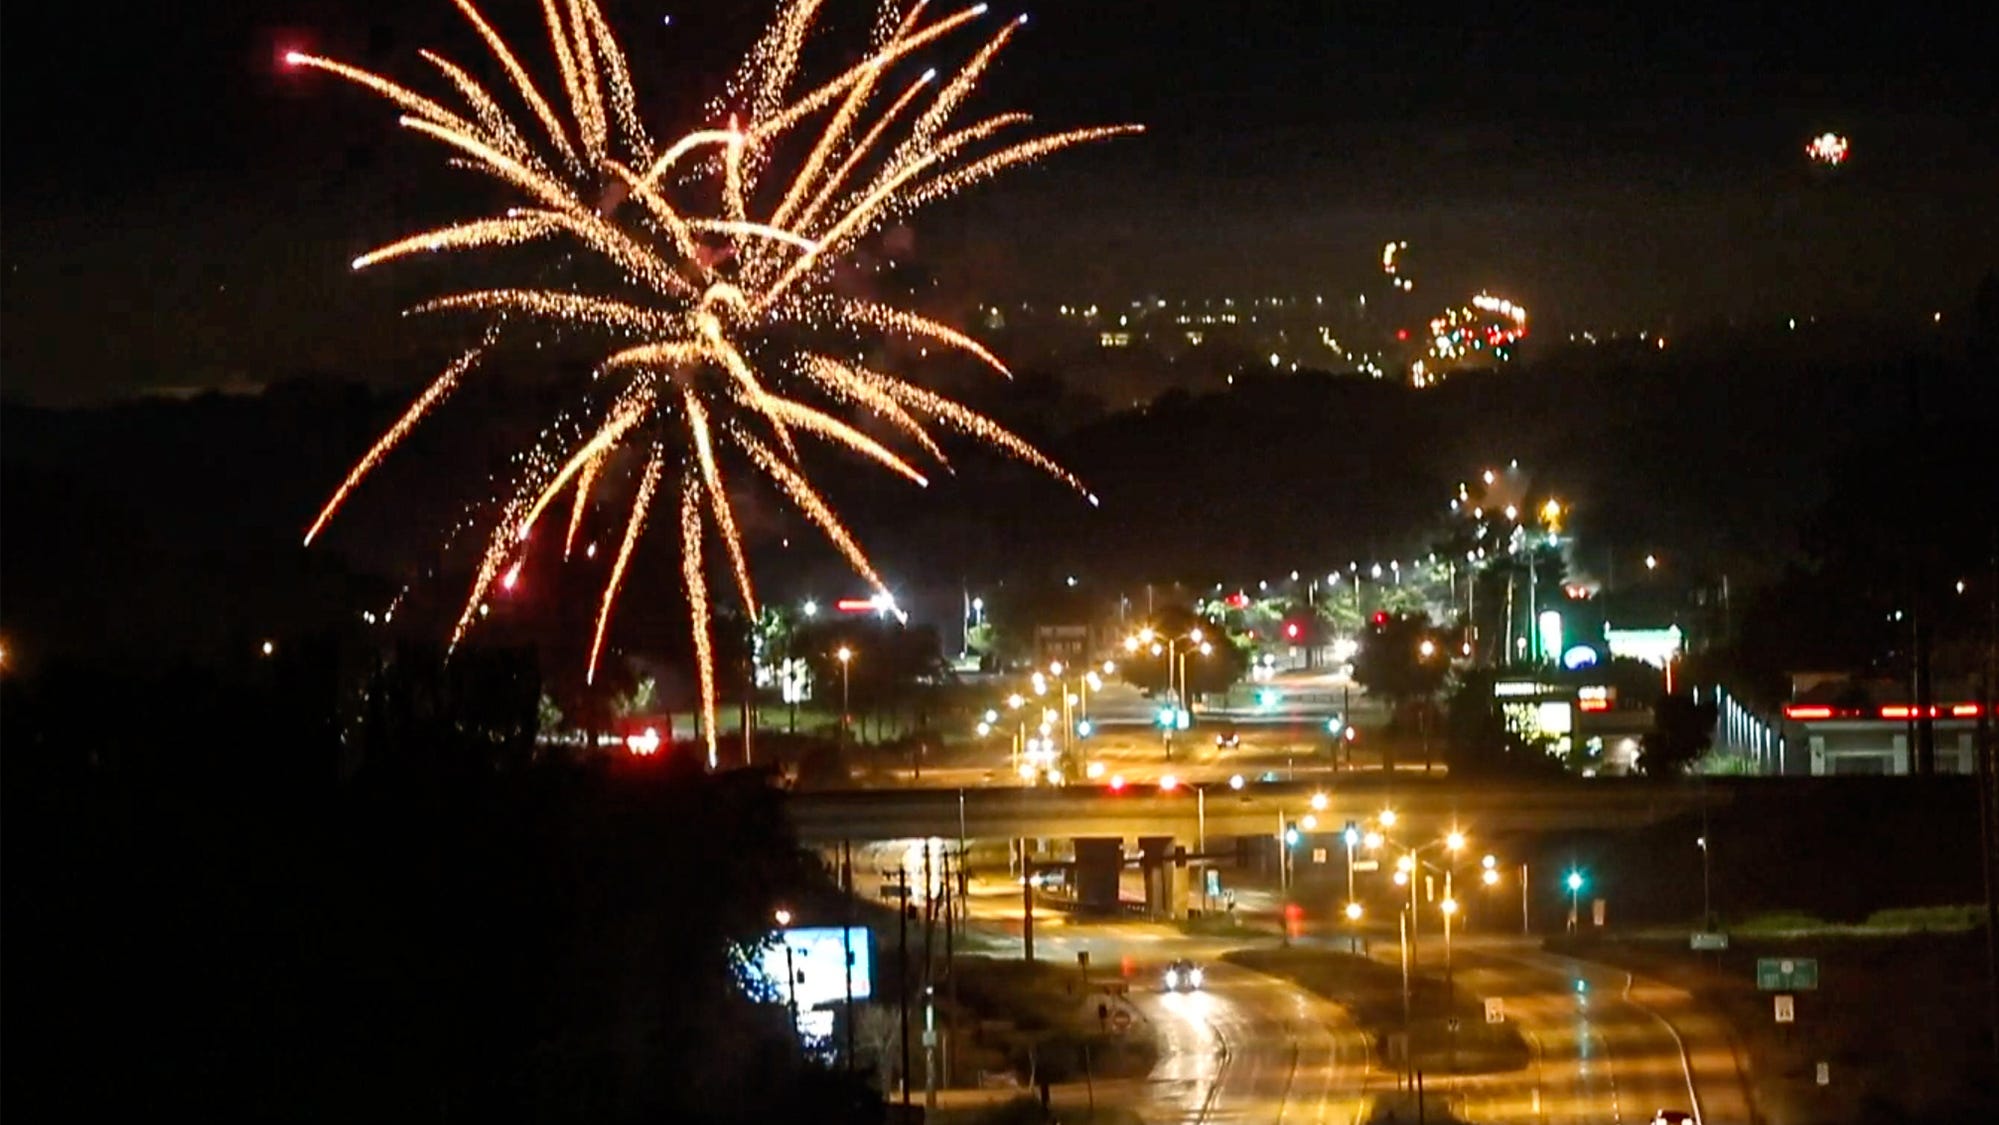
(1392, 664)
(1478, 741)
(1217, 670)
(1681, 733)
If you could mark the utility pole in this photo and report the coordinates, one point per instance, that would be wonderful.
(902, 974)
(950, 967)
(1027, 904)
(749, 693)
(929, 983)
(1988, 793)
(847, 941)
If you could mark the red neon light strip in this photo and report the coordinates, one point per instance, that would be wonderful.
(854, 605)
(1808, 712)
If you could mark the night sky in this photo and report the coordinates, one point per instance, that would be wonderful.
(179, 210)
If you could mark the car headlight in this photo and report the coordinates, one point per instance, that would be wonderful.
(1194, 977)
(1172, 978)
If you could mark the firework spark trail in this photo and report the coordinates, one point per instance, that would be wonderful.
(460, 236)
(970, 421)
(491, 117)
(628, 414)
(827, 426)
(953, 95)
(818, 99)
(500, 548)
(773, 60)
(814, 506)
(581, 503)
(743, 228)
(473, 145)
(718, 500)
(862, 149)
(959, 179)
(596, 129)
(440, 387)
(635, 523)
(888, 319)
(554, 304)
(416, 103)
(835, 133)
(864, 388)
(618, 77)
(522, 83)
(696, 584)
(565, 65)
(713, 285)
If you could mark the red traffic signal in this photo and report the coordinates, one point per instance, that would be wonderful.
(1380, 617)
(1291, 630)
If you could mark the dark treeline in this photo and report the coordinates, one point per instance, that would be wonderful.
(236, 895)
(165, 525)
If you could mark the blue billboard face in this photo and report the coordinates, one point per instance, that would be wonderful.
(817, 954)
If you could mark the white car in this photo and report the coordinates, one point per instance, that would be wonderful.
(1184, 976)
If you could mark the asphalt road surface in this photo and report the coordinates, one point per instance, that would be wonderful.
(1602, 1048)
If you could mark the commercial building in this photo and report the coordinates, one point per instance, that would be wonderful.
(1847, 726)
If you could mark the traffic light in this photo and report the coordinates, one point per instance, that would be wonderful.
(1575, 881)
(1291, 835)
(1352, 834)
(1380, 617)
(1291, 630)
(1166, 717)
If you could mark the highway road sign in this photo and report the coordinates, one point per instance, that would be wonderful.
(1709, 939)
(1825, 1074)
(1596, 907)
(1787, 974)
(1318, 855)
(1787, 1009)
(1495, 1010)
(1367, 865)
(1121, 1021)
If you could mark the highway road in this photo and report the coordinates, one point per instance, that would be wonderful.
(1245, 1048)
(1603, 1049)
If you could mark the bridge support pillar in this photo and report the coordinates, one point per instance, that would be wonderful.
(1099, 859)
(1165, 877)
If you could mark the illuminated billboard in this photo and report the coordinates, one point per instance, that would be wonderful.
(816, 954)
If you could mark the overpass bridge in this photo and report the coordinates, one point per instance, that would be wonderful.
(1213, 810)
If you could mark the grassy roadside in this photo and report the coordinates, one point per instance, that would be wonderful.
(1899, 1021)
(1037, 1019)
(1373, 993)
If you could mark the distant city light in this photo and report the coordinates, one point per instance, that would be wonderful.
(1829, 149)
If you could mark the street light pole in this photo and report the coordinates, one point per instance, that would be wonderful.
(1525, 930)
(846, 656)
(783, 918)
(1408, 1058)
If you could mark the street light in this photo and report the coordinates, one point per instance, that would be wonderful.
(783, 917)
(1575, 884)
(845, 656)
